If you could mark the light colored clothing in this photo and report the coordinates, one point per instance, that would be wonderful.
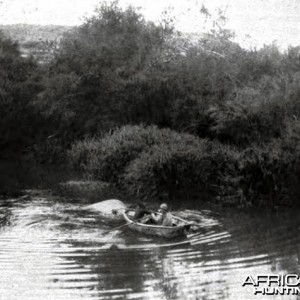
(168, 220)
(162, 219)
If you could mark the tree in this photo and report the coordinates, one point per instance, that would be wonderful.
(19, 83)
(104, 66)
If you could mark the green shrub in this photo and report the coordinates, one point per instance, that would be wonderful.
(244, 124)
(270, 173)
(181, 170)
(153, 163)
(116, 150)
(81, 152)
(106, 158)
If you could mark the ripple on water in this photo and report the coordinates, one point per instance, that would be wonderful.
(59, 251)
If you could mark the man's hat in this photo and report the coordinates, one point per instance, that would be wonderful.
(164, 207)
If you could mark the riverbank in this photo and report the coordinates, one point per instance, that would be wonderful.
(19, 175)
(19, 178)
(150, 163)
(23, 179)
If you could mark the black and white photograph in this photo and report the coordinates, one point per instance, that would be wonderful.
(149, 150)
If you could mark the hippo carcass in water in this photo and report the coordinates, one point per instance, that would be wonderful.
(109, 209)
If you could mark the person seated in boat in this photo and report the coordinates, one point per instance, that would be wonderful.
(141, 212)
(164, 218)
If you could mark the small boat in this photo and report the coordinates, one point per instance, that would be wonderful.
(180, 227)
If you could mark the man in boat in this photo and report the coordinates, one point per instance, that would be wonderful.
(140, 212)
(164, 218)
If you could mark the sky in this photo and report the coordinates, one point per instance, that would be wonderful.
(255, 22)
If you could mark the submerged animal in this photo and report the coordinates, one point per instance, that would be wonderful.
(109, 209)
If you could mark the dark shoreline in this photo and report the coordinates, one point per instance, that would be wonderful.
(24, 181)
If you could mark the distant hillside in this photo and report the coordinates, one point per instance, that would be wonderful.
(24, 32)
(36, 40)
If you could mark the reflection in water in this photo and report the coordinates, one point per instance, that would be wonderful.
(55, 251)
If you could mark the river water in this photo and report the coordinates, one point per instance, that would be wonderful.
(51, 249)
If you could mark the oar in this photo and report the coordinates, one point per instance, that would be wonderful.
(108, 231)
(196, 224)
(190, 236)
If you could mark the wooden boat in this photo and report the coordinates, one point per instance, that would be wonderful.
(180, 227)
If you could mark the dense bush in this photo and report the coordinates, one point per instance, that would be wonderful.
(154, 163)
(151, 162)
(181, 171)
(244, 124)
(106, 158)
(270, 175)
(81, 153)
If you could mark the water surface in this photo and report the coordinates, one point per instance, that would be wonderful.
(50, 249)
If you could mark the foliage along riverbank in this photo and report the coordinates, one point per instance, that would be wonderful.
(159, 115)
(152, 163)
